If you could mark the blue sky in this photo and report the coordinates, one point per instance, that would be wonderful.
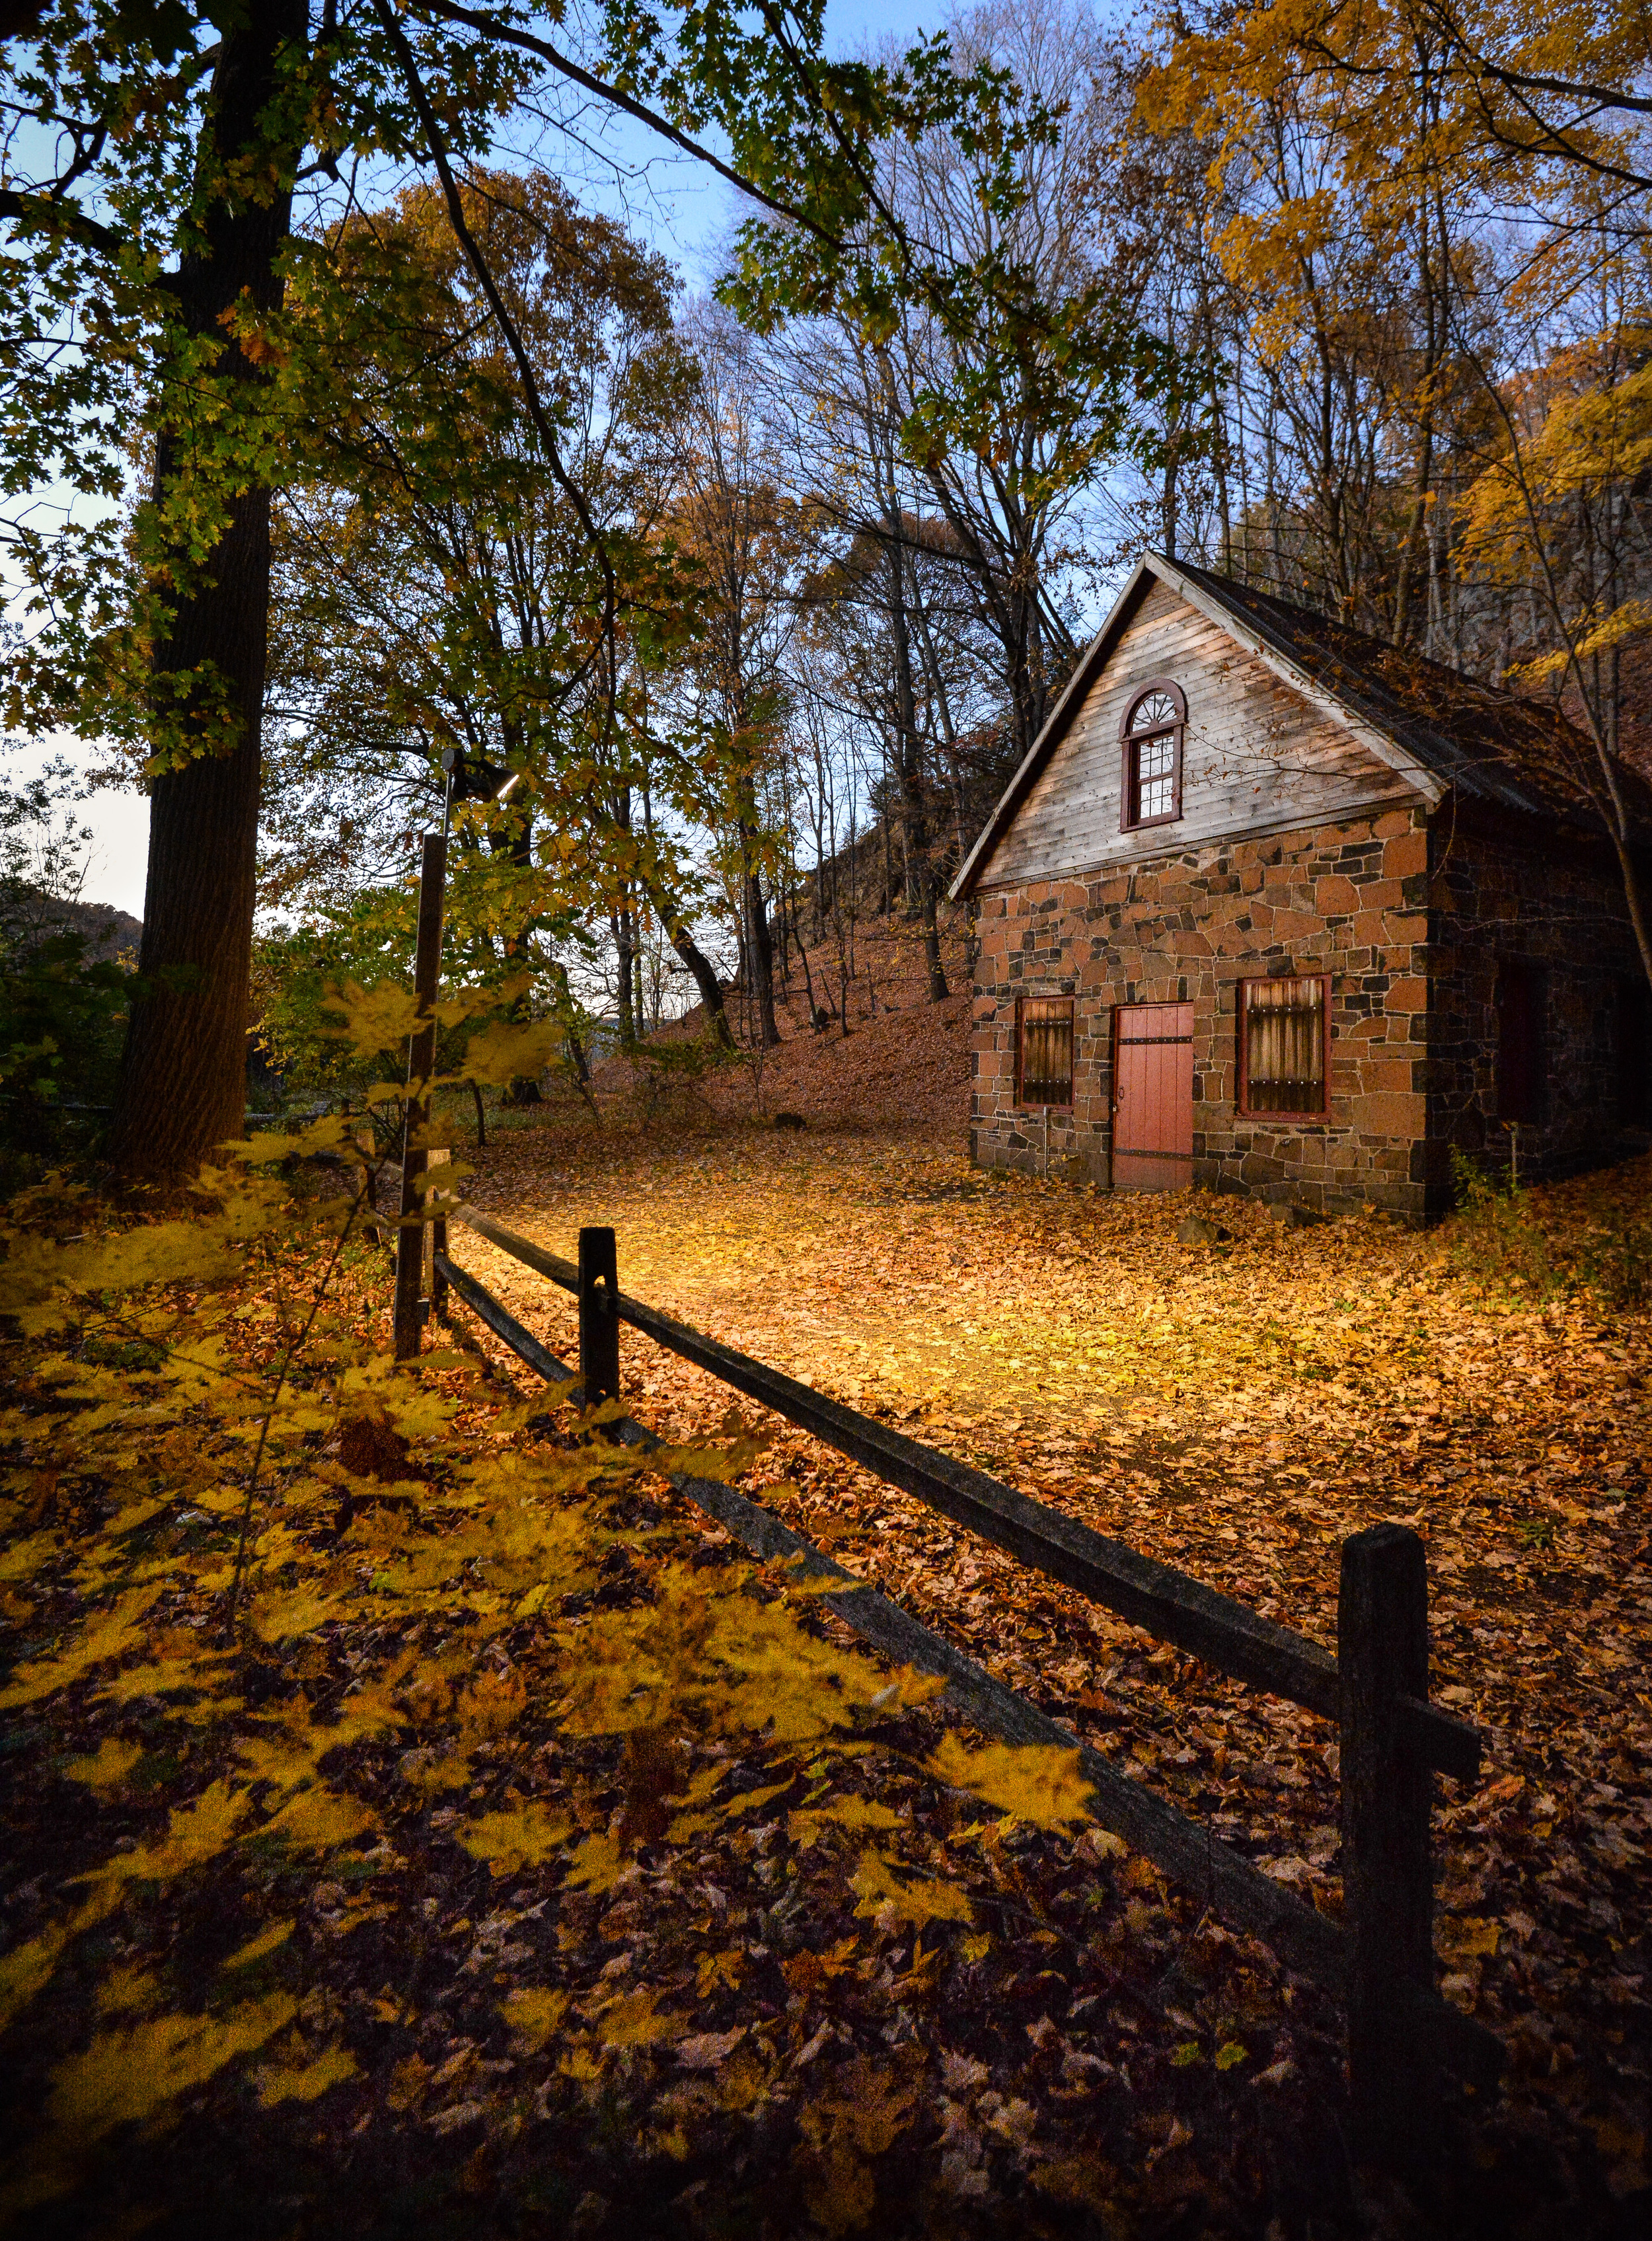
(682, 211)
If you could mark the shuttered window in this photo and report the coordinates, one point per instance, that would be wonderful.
(1044, 1051)
(1283, 1044)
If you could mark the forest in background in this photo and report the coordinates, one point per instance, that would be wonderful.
(738, 611)
(1409, 388)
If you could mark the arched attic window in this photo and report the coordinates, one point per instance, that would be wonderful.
(1151, 739)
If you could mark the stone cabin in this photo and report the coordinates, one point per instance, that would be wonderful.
(1271, 907)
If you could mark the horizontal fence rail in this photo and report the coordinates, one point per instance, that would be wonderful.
(1401, 2032)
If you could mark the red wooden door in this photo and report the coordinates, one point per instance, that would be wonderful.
(1153, 1097)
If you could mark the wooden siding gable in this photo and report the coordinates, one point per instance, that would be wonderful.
(1266, 749)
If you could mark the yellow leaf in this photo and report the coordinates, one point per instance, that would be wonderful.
(195, 1833)
(166, 1678)
(1040, 1783)
(526, 1836)
(501, 1053)
(407, 2080)
(128, 1991)
(267, 1941)
(597, 1863)
(278, 1618)
(25, 1969)
(631, 2021)
(685, 1825)
(804, 1826)
(891, 1900)
(109, 1766)
(24, 1558)
(306, 2081)
(128, 2075)
(317, 1819)
(109, 1635)
(374, 1019)
(286, 1758)
(366, 1713)
(492, 1705)
(533, 2015)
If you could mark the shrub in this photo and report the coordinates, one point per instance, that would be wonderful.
(1498, 1237)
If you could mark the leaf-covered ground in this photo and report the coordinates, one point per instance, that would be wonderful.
(524, 1862)
(1236, 1408)
(415, 1822)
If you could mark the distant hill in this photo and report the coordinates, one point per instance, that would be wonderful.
(109, 932)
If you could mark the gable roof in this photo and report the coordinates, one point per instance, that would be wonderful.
(1436, 728)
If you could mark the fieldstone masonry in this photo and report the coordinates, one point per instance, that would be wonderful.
(1502, 891)
(1409, 912)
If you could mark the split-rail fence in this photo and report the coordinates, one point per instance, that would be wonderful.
(1404, 2039)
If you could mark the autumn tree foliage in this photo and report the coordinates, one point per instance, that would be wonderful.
(1424, 273)
(195, 137)
(160, 328)
(437, 589)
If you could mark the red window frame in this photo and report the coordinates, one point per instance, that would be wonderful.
(1245, 1110)
(1042, 1104)
(1130, 743)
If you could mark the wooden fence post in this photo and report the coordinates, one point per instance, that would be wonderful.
(438, 1282)
(1382, 1655)
(598, 1317)
(421, 1064)
(436, 1233)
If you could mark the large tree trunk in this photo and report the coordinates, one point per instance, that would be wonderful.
(759, 950)
(183, 1087)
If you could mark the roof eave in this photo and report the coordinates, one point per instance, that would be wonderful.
(1378, 741)
(1372, 737)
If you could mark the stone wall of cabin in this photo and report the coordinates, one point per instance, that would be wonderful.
(1349, 900)
(1498, 892)
(1411, 916)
